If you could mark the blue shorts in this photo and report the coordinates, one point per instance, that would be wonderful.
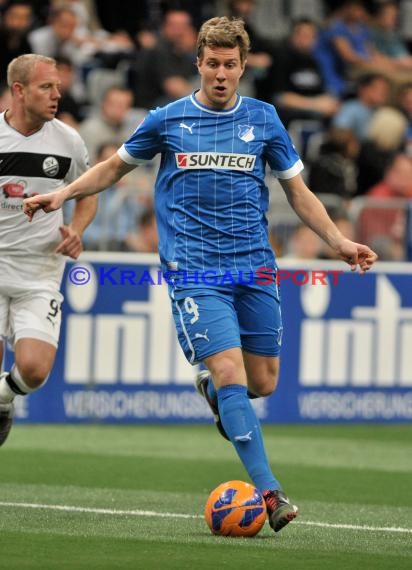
(213, 318)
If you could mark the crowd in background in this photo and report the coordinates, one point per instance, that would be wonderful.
(338, 72)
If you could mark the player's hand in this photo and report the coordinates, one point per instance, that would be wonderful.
(46, 202)
(357, 255)
(71, 243)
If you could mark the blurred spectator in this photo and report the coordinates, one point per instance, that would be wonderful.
(303, 243)
(373, 91)
(116, 214)
(199, 11)
(41, 9)
(350, 35)
(296, 79)
(101, 47)
(145, 38)
(397, 180)
(167, 71)
(386, 37)
(404, 100)
(16, 20)
(63, 36)
(345, 47)
(84, 13)
(144, 239)
(332, 6)
(57, 38)
(335, 171)
(260, 56)
(70, 105)
(382, 220)
(115, 120)
(386, 137)
(5, 97)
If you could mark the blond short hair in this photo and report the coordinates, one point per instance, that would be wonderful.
(225, 33)
(20, 68)
(388, 128)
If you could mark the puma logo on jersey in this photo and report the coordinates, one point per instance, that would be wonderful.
(204, 335)
(184, 126)
(215, 160)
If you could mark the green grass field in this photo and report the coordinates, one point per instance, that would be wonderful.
(107, 498)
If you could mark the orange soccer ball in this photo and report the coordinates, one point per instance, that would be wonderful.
(235, 508)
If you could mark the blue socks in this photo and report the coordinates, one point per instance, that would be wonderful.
(243, 428)
(211, 390)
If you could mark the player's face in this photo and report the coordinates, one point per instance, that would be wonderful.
(41, 94)
(220, 70)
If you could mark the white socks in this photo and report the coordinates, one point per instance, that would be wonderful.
(6, 393)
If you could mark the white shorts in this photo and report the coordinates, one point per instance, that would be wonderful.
(26, 313)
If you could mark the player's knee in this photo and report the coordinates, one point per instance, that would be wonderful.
(273, 378)
(273, 375)
(265, 385)
(34, 375)
(225, 371)
(268, 388)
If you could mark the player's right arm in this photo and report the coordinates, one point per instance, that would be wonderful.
(98, 178)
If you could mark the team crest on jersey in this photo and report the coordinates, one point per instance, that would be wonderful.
(245, 133)
(50, 166)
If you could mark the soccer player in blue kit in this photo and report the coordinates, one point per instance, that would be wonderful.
(210, 201)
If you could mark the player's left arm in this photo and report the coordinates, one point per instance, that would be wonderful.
(313, 213)
(84, 209)
(83, 214)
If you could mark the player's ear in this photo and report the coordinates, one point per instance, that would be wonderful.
(17, 88)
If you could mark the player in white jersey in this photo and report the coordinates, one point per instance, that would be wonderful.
(38, 154)
(210, 202)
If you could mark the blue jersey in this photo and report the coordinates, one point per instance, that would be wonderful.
(210, 195)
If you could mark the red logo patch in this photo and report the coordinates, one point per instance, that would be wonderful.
(14, 190)
(182, 160)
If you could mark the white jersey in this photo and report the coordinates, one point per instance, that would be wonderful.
(37, 164)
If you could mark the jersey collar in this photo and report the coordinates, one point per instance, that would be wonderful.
(199, 105)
